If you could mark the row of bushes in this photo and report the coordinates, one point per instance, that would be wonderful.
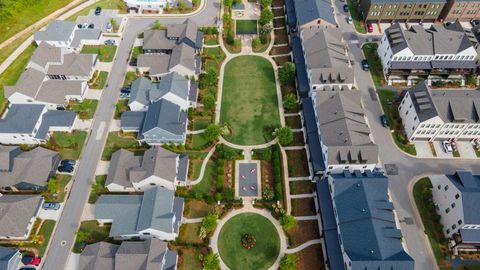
(220, 163)
(277, 172)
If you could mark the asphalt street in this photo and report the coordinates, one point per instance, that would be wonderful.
(64, 235)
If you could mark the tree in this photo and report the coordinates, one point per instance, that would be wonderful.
(290, 101)
(288, 222)
(211, 77)
(210, 261)
(82, 236)
(52, 186)
(210, 222)
(286, 74)
(256, 43)
(266, 16)
(209, 102)
(182, 5)
(195, 2)
(157, 25)
(288, 262)
(284, 135)
(267, 193)
(265, 3)
(212, 132)
(228, 3)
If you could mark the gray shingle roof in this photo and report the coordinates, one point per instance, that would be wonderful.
(16, 211)
(56, 31)
(132, 120)
(156, 63)
(145, 91)
(157, 210)
(55, 118)
(166, 116)
(46, 53)
(312, 10)
(408, 1)
(85, 34)
(21, 118)
(469, 187)
(28, 83)
(183, 55)
(123, 209)
(98, 256)
(173, 35)
(8, 256)
(157, 39)
(56, 91)
(74, 64)
(121, 163)
(366, 222)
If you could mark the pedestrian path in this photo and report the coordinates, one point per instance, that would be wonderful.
(303, 246)
(300, 178)
(192, 220)
(300, 218)
(294, 147)
(204, 166)
(195, 131)
(300, 196)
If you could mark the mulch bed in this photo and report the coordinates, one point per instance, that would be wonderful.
(311, 258)
(293, 121)
(305, 230)
(303, 207)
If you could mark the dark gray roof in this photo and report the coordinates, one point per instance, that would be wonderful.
(85, 34)
(422, 102)
(366, 222)
(313, 139)
(123, 209)
(193, 92)
(171, 258)
(120, 164)
(98, 256)
(173, 35)
(21, 118)
(178, 204)
(301, 72)
(74, 64)
(291, 15)
(469, 236)
(55, 118)
(56, 31)
(145, 91)
(157, 211)
(166, 116)
(408, 1)
(182, 54)
(312, 10)
(132, 120)
(469, 187)
(27, 84)
(16, 211)
(182, 168)
(6, 256)
(157, 40)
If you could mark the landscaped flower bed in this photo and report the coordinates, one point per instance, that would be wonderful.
(248, 241)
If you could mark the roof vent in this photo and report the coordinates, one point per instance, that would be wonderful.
(363, 210)
(371, 251)
(358, 184)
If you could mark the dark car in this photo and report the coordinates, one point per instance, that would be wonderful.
(31, 260)
(345, 8)
(51, 206)
(91, 26)
(65, 169)
(60, 108)
(384, 120)
(80, 25)
(67, 162)
(365, 65)
(109, 42)
(28, 268)
(98, 10)
(125, 90)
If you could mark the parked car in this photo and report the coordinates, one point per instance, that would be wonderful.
(68, 162)
(98, 10)
(51, 206)
(124, 95)
(31, 260)
(80, 25)
(349, 20)
(384, 120)
(65, 169)
(60, 108)
(28, 268)
(109, 27)
(91, 26)
(447, 147)
(345, 8)
(125, 90)
(369, 28)
(365, 65)
(109, 42)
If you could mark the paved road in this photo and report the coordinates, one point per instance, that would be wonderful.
(409, 168)
(69, 222)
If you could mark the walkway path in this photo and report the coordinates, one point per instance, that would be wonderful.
(204, 165)
(248, 208)
(195, 131)
(300, 218)
(248, 147)
(300, 196)
(303, 246)
(192, 220)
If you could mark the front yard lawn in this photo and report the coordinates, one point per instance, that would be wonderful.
(44, 235)
(303, 207)
(129, 78)
(198, 141)
(118, 139)
(211, 40)
(189, 233)
(246, 27)
(200, 123)
(69, 145)
(90, 232)
(99, 79)
(120, 107)
(188, 259)
(249, 99)
(207, 186)
(356, 17)
(135, 52)
(376, 69)
(297, 163)
(62, 181)
(97, 188)
(305, 230)
(105, 52)
(85, 109)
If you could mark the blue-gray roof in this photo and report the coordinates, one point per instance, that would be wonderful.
(55, 119)
(291, 16)
(301, 71)
(408, 1)
(132, 120)
(469, 187)
(145, 91)
(21, 118)
(366, 222)
(170, 260)
(313, 10)
(182, 168)
(7, 258)
(309, 119)
(56, 31)
(470, 236)
(156, 211)
(313, 139)
(178, 204)
(166, 116)
(123, 209)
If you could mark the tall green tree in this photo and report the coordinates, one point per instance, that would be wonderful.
(212, 133)
(266, 16)
(286, 74)
(209, 102)
(210, 222)
(288, 222)
(289, 101)
(284, 135)
(211, 262)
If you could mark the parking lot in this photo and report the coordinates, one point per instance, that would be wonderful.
(465, 150)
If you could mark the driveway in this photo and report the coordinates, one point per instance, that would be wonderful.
(423, 149)
(466, 150)
(440, 151)
(50, 214)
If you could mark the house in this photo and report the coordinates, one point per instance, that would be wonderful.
(456, 200)
(173, 87)
(461, 10)
(155, 214)
(302, 82)
(9, 258)
(67, 34)
(163, 122)
(164, 40)
(158, 167)
(327, 61)
(31, 123)
(359, 224)
(27, 170)
(19, 213)
(155, 5)
(313, 13)
(129, 255)
(429, 114)
(437, 53)
(312, 137)
(381, 11)
(345, 139)
(53, 77)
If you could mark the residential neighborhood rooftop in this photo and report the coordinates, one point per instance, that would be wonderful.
(16, 213)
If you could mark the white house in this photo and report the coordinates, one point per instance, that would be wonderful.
(438, 53)
(456, 199)
(429, 114)
(158, 167)
(67, 34)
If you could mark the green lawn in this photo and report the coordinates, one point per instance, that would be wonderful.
(207, 186)
(16, 15)
(105, 4)
(198, 141)
(356, 17)
(94, 233)
(200, 123)
(69, 145)
(117, 140)
(246, 27)
(262, 255)
(97, 188)
(376, 69)
(197, 209)
(120, 107)
(13, 72)
(189, 233)
(136, 51)
(45, 233)
(99, 79)
(129, 78)
(431, 220)
(188, 259)
(62, 182)
(211, 40)
(105, 52)
(85, 109)
(249, 99)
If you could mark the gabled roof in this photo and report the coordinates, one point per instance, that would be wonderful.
(21, 118)
(469, 187)
(145, 91)
(312, 10)
(16, 211)
(120, 164)
(157, 39)
(54, 118)
(156, 211)
(74, 64)
(45, 54)
(172, 36)
(27, 84)
(56, 31)
(166, 116)
(132, 120)
(98, 256)
(182, 55)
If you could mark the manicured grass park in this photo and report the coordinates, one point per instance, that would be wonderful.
(246, 27)
(249, 99)
(262, 255)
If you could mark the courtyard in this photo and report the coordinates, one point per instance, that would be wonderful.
(249, 100)
(248, 178)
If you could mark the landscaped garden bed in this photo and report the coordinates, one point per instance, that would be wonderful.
(120, 107)
(302, 187)
(130, 76)
(85, 109)
(278, 12)
(189, 233)
(298, 139)
(98, 187)
(280, 50)
(91, 232)
(311, 258)
(68, 145)
(303, 207)
(376, 69)
(127, 141)
(297, 163)
(211, 39)
(279, 22)
(281, 36)
(357, 19)
(98, 80)
(56, 188)
(305, 230)
(293, 121)
(188, 259)
(280, 60)
(278, 3)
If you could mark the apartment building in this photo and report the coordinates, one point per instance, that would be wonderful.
(379, 11)
(461, 10)
(429, 114)
(437, 53)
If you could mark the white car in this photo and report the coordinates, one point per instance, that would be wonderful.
(447, 147)
(109, 27)
(349, 20)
